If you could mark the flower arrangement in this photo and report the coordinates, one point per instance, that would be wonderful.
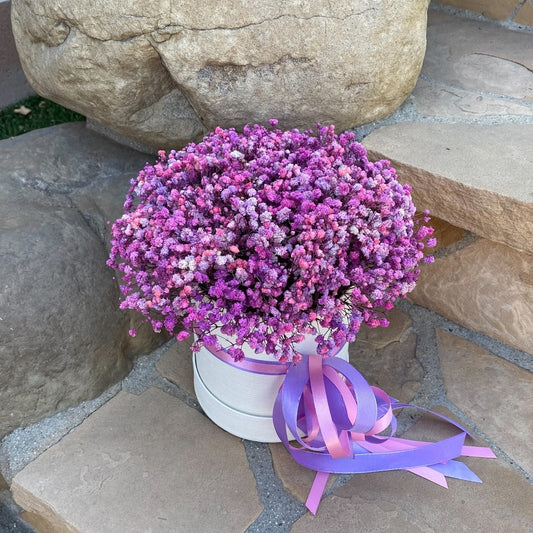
(264, 234)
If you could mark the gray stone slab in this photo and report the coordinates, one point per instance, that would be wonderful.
(474, 71)
(64, 338)
(437, 99)
(176, 365)
(501, 9)
(141, 463)
(386, 356)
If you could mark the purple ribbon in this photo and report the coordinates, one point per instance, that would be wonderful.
(341, 416)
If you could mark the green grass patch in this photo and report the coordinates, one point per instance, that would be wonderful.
(33, 113)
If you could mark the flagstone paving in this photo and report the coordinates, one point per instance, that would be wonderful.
(386, 357)
(176, 366)
(150, 461)
(295, 478)
(400, 501)
(141, 463)
(496, 395)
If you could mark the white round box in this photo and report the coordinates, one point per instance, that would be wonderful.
(239, 401)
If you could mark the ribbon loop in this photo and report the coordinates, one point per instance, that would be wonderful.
(336, 418)
(333, 394)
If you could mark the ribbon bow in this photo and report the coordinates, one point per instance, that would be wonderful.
(341, 415)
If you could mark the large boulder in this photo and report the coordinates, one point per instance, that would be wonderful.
(63, 338)
(164, 73)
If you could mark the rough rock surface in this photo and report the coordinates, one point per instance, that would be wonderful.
(64, 339)
(487, 287)
(156, 454)
(165, 72)
(461, 174)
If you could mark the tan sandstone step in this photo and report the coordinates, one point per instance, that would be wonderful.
(476, 177)
(145, 463)
(466, 147)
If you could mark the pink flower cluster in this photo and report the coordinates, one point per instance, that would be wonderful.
(264, 234)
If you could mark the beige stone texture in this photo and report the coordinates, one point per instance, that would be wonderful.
(141, 463)
(446, 234)
(471, 71)
(295, 478)
(432, 428)
(432, 98)
(176, 365)
(525, 14)
(494, 9)
(462, 174)
(399, 501)
(486, 287)
(40, 524)
(495, 394)
(386, 357)
(485, 58)
(163, 72)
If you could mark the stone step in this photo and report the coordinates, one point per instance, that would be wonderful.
(146, 463)
(464, 139)
(476, 177)
(149, 461)
(464, 142)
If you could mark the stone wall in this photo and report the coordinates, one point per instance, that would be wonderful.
(517, 11)
(481, 284)
(13, 83)
(463, 142)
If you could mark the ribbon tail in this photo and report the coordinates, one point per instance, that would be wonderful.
(478, 451)
(429, 473)
(316, 492)
(343, 409)
(457, 470)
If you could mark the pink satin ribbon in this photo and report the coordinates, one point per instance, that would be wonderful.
(341, 416)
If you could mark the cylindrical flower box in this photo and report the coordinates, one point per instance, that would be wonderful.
(241, 401)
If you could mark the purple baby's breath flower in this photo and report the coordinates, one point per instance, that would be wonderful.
(182, 335)
(267, 233)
